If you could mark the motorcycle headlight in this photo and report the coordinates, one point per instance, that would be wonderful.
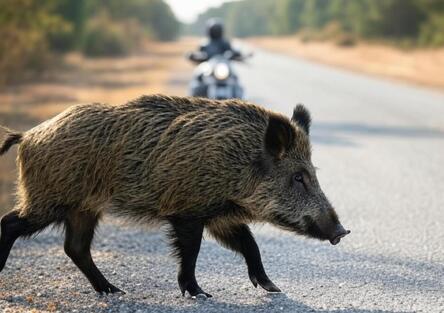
(205, 68)
(221, 71)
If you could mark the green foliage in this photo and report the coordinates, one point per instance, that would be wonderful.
(25, 26)
(104, 37)
(74, 13)
(287, 17)
(32, 30)
(118, 27)
(250, 19)
(416, 21)
(432, 32)
(154, 15)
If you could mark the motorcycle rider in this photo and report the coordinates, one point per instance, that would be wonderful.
(216, 44)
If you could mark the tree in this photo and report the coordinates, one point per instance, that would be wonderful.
(415, 20)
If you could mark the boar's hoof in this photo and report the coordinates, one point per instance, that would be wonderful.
(193, 289)
(264, 282)
(108, 288)
(200, 296)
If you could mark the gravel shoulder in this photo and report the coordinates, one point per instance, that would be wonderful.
(39, 277)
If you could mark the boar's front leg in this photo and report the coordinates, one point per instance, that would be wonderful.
(186, 238)
(240, 239)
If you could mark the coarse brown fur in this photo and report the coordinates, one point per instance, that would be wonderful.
(12, 138)
(150, 158)
(174, 159)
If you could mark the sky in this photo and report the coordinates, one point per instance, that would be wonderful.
(187, 10)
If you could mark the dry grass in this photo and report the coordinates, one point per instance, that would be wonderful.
(162, 68)
(424, 66)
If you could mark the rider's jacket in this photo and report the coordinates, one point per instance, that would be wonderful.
(217, 46)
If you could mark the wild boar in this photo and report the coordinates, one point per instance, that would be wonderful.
(192, 163)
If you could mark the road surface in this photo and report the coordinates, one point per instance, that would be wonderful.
(380, 149)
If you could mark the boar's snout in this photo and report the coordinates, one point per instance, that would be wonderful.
(326, 227)
(339, 233)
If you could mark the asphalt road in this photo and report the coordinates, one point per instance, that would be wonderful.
(380, 149)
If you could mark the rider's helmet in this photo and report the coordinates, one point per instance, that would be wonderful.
(215, 28)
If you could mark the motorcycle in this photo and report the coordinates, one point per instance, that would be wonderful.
(215, 78)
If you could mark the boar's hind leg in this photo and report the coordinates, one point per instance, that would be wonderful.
(240, 239)
(80, 228)
(186, 237)
(14, 226)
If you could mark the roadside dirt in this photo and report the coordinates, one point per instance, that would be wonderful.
(161, 68)
(422, 66)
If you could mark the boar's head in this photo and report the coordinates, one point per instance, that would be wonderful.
(289, 195)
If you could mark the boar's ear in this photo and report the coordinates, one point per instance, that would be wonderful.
(279, 136)
(302, 118)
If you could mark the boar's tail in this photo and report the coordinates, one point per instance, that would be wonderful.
(11, 138)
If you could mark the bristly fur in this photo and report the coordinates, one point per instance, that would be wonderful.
(10, 139)
(302, 117)
(191, 162)
(147, 159)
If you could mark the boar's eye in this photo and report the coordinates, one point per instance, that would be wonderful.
(298, 177)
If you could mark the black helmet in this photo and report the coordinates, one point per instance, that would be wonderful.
(215, 28)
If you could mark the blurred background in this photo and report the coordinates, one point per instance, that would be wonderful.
(57, 53)
(408, 23)
(54, 54)
(370, 71)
